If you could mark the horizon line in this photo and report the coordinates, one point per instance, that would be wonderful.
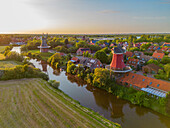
(118, 33)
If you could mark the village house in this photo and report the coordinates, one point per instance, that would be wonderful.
(122, 43)
(158, 55)
(102, 45)
(138, 44)
(150, 85)
(125, 46)
(93, 41)
(138, 53)
(91, 63)
(153, 48)
(151, 68)
(113, 44)
(17, 43)
(132, 62)
(165, 49)
(128, 54)
(69, 45)
(145, 58)
(166, 44)
(80, 51)
(159, 51)
(62, 54)
(75, 60)
(106, 44)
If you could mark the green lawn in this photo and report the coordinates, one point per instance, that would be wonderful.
(2, 48)
(44, 56)
(33, 103)
(34, 51)
(8, 64)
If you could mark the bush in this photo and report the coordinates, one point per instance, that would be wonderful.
(24, 48)
(14, 56)
(144, 74)
(54, 83)
(23, 71)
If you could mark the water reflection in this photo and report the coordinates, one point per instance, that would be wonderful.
(116, 110)
(121, 111)
(44, 65)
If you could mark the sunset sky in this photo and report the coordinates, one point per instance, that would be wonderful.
(84, 16)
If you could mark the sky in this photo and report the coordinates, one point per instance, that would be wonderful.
(84, 16)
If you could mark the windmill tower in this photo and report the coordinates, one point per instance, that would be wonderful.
(44, 47)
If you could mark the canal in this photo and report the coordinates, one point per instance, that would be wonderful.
(107, 105)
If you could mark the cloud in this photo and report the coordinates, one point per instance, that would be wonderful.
(151, 18)
(108, 11)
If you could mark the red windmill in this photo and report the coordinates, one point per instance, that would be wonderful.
(117, 65)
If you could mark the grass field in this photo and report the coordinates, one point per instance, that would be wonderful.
(2, 48)
(8, 64)
(33, 103)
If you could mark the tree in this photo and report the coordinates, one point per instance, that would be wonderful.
(94, 47)
(146, 70)
(101, 77)
(57, 65)
(61, 49)
(71, 67)
(68, 57)
(167, 70)
(132, 49)
(139, 97)
(87, 54)
(101, 55)
(66, 41)
(14, 56)
(81, 44)
(54, 58)
(168, 103)
(153, 61)
(24, 48)
(72, 50)
(165, 60)
(144, 47)
(106, 50)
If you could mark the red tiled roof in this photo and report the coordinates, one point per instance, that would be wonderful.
(132, 61)
(74, 58)
(158, 55)
(159, 51)
(128, 54)
(164, 49)
(62, 54)
(142, 81)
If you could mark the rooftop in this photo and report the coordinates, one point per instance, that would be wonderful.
(118, 49)
(143, 81)
(158, 55)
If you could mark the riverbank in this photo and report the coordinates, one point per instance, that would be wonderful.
(104, 103)
(33, 102)
(101, 78)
